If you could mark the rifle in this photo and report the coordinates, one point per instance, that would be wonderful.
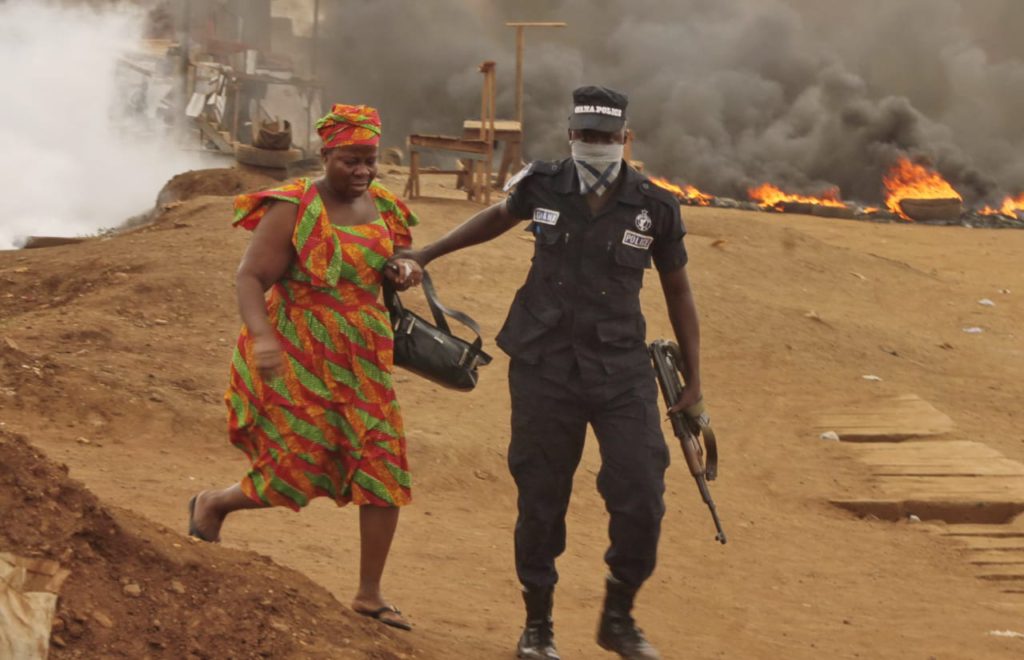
(688, 425)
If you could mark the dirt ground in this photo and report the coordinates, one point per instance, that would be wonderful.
(114, 356)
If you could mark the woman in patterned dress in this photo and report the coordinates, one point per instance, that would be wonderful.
(311, 401)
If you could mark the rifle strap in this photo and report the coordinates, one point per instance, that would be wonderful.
(698, 414)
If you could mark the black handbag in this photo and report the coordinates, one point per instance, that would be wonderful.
(431, 350)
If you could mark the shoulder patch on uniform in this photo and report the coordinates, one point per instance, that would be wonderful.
(518, 176)
(548, 166)
(536, 167)
(657, 192)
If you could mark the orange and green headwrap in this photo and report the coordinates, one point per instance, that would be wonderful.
(349, 124)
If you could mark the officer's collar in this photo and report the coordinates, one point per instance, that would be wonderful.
(567, 181)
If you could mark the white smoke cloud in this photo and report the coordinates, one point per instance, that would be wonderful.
(65, 169)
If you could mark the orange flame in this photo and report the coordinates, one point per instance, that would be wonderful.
(908, 180)
(687, 193)
(1012, 206)
(772, 197)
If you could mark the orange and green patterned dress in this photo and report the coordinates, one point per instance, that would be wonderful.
(330, 424)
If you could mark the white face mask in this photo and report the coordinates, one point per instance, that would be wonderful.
(598, 165)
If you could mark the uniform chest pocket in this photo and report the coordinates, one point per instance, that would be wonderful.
(629, 258)
(550, 248)
(626, 271)
(548, 237)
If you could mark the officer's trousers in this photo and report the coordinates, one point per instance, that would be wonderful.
(549, 424)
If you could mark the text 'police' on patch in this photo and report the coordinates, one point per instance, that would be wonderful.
(545, 216)
(639, 241)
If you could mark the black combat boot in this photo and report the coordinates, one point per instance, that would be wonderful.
(618, 631)
(538, 639)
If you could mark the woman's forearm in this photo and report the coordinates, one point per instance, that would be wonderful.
(252, 305)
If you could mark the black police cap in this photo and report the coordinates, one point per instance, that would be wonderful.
(598, 109)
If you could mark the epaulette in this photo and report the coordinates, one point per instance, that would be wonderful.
(658, 193)
(546, 167)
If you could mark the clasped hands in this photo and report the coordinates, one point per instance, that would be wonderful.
(403, 272)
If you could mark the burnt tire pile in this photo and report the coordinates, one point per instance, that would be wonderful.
(272, 158)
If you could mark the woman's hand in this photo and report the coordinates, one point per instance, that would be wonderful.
(269, 356)
(403, 272)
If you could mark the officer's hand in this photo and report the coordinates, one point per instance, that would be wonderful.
(689, 396)
(415, 255)
(403, 272)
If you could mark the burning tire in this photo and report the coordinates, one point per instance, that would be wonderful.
(844, 212)
(802, 208)
(278, 159)
(391, 156)
(926, 210)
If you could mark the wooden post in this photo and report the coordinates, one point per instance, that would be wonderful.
(493, 95)
(412, 186)
(313, 54)
(520, 48)
(487, 111)
(236, 88)
(180, 121)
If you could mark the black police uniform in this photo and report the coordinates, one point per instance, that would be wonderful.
(576, 336)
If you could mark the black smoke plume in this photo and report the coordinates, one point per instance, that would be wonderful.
(725, 94)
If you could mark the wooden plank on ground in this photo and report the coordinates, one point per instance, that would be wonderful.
(987, 543)
(917, 452)
(1008, 557)
(1013, 529)
(987, 488)
(954, 481)
(1001, 573)
(886, 419)
(1005, 468)
(956, 510)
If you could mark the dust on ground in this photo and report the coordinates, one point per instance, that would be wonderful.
(115, 355)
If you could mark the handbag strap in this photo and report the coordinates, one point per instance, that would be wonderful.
(439, 310)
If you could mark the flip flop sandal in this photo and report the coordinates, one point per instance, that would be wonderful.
(192, 529)
(376, 614)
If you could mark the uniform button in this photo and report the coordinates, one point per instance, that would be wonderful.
(645, 185)
(604, 293)
(559, 283)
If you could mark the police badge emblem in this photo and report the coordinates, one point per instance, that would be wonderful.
(643, 220)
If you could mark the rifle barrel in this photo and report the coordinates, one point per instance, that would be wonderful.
(705, 495)
(663, 355)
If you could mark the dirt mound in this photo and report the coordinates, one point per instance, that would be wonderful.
(137, 589)
(222, 182)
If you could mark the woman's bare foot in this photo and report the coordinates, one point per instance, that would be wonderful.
(205, 522)
(208, 509)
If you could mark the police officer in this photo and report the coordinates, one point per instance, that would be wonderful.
(576, 337)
